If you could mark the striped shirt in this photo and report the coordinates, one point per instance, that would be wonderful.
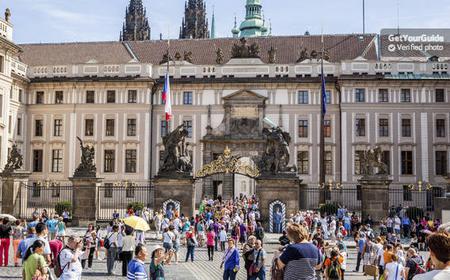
(136, 270)
(300, 260)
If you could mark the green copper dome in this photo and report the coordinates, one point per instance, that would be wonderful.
(253, 25)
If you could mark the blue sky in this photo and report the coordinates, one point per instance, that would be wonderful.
(101, 20)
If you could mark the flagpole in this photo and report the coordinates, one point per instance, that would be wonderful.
(168, 74)
(322, 133)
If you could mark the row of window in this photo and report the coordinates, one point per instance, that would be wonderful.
(108, 166)
(406, 158)
(90, 96)
(88, 127)
(303, 127)
(383, 96)
(383, 127)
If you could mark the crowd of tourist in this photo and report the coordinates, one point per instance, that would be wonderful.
(312, 246)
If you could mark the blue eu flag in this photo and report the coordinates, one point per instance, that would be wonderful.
(324, 92)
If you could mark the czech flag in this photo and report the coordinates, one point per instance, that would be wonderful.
(167, 99)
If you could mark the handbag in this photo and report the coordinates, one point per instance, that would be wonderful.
(371, 270)
(277, 273)
(39, 276)
(253, 267)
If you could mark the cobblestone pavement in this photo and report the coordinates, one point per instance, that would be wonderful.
(200, 269)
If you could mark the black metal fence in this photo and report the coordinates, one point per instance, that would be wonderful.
(118, 198)
(39, 196)
(403, 197)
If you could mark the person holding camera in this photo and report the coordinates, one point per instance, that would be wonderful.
(69, 259)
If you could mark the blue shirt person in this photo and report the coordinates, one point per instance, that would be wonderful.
(230, 261)
(136, 268)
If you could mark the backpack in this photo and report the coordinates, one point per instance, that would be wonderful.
(333, 272)
(58, 269)
(419, 269)
(107, 243)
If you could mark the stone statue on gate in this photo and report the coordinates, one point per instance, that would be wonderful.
(176, 156)
(371, 163)
(276, 155)
(87, 167)
(15, 160)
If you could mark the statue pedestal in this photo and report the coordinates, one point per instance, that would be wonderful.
(12, 191)
(282, 189)
(85, 200)
(375, 196)
(177, 189)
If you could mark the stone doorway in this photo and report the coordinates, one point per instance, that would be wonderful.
(240, 131)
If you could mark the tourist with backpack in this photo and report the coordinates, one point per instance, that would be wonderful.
(257, 269)
(111, 245)
(259, 232)
(333, 266)
(68, 265)
(191, 242)
(414, 264)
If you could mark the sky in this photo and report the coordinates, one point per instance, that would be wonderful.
(41, 21)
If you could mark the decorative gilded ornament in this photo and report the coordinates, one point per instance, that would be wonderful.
(226, 163)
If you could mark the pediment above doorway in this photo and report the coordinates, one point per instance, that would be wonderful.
(245, 96)
(243, 117)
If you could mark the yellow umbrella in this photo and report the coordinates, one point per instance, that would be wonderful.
(137, 223)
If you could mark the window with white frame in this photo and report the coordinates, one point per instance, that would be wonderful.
(57, 161)
(302, 97)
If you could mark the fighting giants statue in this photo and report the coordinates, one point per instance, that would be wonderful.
(276, 155)
(176, 157)
(15, 161)
(371, 163)
(87, 166)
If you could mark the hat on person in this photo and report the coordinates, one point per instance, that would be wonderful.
(157, 247)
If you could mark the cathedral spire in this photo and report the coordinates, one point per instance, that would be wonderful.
(136, 26)
(213, 26)
(195, 22)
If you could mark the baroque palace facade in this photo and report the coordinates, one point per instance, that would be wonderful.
(109, 95)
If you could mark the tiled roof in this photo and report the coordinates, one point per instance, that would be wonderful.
(75, 53)
(340, 47)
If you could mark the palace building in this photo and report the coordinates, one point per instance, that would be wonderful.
(109, 95)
